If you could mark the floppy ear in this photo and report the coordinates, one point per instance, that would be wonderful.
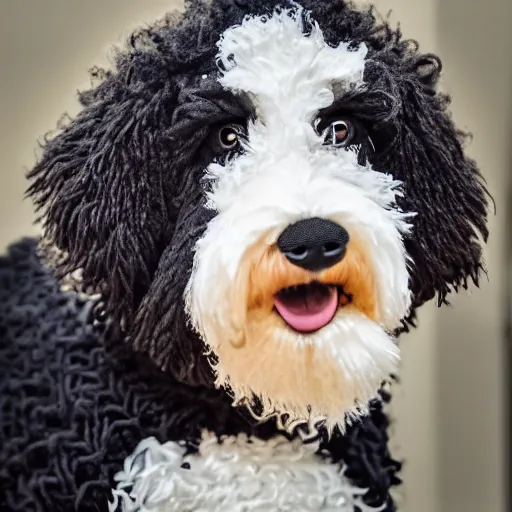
(102, 182)
(441, 184)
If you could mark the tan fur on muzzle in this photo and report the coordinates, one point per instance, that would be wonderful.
(264, 357)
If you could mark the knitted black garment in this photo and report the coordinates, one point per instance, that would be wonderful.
(75, 401)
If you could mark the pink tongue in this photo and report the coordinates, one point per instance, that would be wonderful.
(308, 310)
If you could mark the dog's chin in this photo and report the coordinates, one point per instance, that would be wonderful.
(303, 344)
(332, 372)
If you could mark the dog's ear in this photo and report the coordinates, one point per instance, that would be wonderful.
(441, 185)
(102, 184)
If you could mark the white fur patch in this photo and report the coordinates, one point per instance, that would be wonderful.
(290, 76)
(239, 474)
(286, 174)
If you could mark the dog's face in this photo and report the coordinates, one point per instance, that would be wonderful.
(302, 273)
(270, 190)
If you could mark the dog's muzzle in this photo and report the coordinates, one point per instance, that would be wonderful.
(314, 245)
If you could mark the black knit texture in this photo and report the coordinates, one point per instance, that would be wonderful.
(75, 401)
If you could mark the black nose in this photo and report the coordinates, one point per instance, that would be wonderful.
(314, 244)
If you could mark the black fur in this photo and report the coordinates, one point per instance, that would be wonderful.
(75, 401)
(115, 184)
(119, 190)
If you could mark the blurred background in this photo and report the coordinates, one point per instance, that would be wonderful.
(451, 408)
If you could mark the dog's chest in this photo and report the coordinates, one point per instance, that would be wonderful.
(238, 474)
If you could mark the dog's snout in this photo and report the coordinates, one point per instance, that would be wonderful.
(314, 244)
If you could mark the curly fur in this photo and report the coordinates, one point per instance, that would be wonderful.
(121, 199)
(237, 474)
(75, 402)
(120, 195)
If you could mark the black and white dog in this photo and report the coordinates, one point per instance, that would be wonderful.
(260, 195)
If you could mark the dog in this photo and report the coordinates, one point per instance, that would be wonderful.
(257, 199)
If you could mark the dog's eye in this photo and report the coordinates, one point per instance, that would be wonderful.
(340, 130)
(230, 136)
(340, 133)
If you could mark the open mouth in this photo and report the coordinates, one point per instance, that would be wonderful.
(309, 307)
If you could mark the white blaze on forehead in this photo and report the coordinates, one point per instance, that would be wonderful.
(285, 70)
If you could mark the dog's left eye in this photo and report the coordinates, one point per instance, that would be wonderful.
(230, 136)
(340, 133)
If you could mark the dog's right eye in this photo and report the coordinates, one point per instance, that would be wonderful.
(230, 136)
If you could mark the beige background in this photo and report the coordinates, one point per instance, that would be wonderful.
(450, 407)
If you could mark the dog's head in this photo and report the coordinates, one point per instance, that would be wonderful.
(269, 190)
